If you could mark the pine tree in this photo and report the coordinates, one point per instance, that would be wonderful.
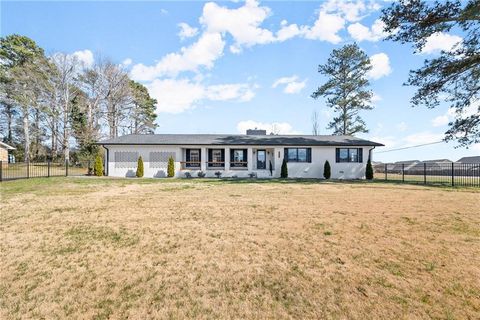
(369, 170)
(98, 166)
(171, 168)
(284, 171)
(327, 172)
(139, 173)
(346, 90)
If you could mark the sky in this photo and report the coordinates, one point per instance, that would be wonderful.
(226, 66)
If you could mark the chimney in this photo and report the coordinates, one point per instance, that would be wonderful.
(256, 132)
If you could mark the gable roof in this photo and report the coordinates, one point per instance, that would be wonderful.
(6, 146)
(474, 159)
(238, 139)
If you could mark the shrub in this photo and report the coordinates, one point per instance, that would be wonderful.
(98, 166)
(284, 171)
(188, 175)
(139, 173)
(201, 174)
(369, 170)
(171, 167)
(218, 174)
(327, 172)
(252, 175)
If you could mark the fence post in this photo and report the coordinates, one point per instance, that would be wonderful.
(1, 170)
(28, 168)
(424, 173)
(453, 174)
(48, 168)
(385, 172)
(66, 167)
(403, 172)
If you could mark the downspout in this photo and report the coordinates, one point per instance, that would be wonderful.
(106, 160)
(370, 153)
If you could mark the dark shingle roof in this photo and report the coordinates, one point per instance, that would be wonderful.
(474, 159)
(232, 139)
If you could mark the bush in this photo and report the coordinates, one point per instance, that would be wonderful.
(369, 170)
(201, 174)
(327, 172)
(139, 173)
(218, 174)
(98, 166)
(188, 175)
(171, 168)
(284, 171)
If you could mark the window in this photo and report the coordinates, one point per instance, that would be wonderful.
(193, 158)
(298, 154)
(238, 158)
(349, 155)
(216, 157)
(125, 159)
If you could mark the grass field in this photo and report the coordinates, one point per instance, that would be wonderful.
(116, 248)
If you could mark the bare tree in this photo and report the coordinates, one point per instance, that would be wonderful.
(315, 123)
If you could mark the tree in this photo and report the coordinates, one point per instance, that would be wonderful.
(171, 168)
(315, 123)
(143, 112)
(284, 170)
(98, 167)
(454, 75)
(139, 172)
(346, 90)
(369, 170)
(327, 172)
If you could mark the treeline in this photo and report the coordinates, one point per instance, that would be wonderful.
(57, 107)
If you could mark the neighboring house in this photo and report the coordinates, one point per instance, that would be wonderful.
(238, 155)
(474, 159)
(4, 149)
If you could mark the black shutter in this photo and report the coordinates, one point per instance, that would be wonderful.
(223, 155)
(209, 156)
(245, 155)
(187, 155)
(231, 155)
(309, 154)
(337, 155)
(285, 154)
(200, 156)
(360, 155)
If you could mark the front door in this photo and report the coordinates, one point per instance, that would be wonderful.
(261, 159)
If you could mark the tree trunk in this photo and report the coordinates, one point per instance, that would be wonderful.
(26, 133)
(9, 112)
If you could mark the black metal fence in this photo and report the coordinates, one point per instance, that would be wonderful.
(25, 170)
(454, 174)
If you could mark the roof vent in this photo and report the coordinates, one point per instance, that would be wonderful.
(256, 132)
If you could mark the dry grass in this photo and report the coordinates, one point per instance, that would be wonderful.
(87, 248)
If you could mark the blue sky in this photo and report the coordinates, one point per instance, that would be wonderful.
(221, 67)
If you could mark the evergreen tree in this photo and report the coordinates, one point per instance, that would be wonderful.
(171, 168)
(284, 170)
(143, 114)
(454, 75)
(346, 89)
(98, 166)
(369, 170)
(139, 172)
(327, 172)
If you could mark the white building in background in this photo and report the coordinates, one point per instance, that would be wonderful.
(255, 154)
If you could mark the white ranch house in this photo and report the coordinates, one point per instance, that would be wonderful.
(238, 155)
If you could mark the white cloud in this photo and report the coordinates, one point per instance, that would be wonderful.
(440, 121)
(388, 141)
(350, 10)
(292, 85)
(186, 31)
(273, 127)
(422, 138)
(380, 66)
(325, 28)
(376, 97)
(127, 62)
(178, 95)
(202, 53)
(242, 23)
(287, 31)
(359, 32)
(85, 57)
(441, 41)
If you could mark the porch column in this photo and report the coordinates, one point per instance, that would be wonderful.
(227, 159)
(203, 159)
(250, 159)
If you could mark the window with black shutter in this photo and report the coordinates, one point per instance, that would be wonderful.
(298, 154)
(238, 158)
(216, 157)
(349, 155)
(192, 158)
